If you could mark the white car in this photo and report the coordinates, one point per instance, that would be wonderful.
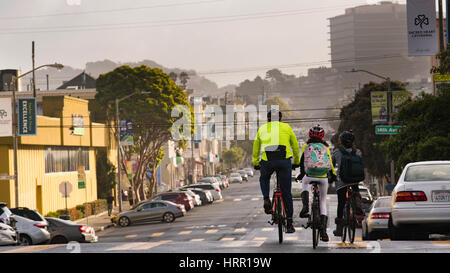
(421, 201)
(249, 172)
(7, 235)
(31, 225)
(235, 177)
(375, 224)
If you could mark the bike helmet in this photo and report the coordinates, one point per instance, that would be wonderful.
(317, 132)
(347, 138)
(274, 112)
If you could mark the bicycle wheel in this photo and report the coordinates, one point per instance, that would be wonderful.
(280, 220)
(351, 224)
(315, 222)
(345, 223)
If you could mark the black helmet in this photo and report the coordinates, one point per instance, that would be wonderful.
(347, 138)
(275, 113)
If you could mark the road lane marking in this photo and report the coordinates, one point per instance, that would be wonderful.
(157, 234)
(28, 249)
(131, 236)
(197, 240)
(237, 199)
(138, 246)
(268, 229)
(185, 232)
(255, 199)
(240, 230)
(210, 231)
(259, 238)
(227, 239)
(291, 238)
(218, 201)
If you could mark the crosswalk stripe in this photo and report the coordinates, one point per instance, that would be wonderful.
(138, 246)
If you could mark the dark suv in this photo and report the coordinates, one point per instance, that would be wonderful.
(176, 197)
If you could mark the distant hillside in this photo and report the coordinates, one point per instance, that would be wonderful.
(200, 85)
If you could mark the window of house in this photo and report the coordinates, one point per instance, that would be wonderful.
(65, 159)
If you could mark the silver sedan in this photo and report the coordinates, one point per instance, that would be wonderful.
(421, 201)
(375, 224)
(146, 211)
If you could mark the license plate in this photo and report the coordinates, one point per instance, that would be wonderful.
(440, 196)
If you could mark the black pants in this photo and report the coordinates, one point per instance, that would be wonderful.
(341, 194)
(283, 169)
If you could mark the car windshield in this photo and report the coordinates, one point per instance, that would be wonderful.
(383, 203)
(434, 172)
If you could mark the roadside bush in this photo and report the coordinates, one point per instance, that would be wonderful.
(81, 211)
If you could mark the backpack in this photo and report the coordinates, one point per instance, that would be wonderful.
(351, 169)
(317, 161)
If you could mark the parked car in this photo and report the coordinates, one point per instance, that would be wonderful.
(375, 224)
(195, 197)
(31, 225)
(235, 178)
(249, 171)
(243, 175)
(296, 189)
(64, 231)
(421, 201)
(205, 195)
(210, 180)
(8, 235)
(177, 197)
(215, 190)
(146, 211)
(223, 180)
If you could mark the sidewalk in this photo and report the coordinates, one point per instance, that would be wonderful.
(102, 221)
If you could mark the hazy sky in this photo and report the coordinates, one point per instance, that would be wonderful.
(242, 38)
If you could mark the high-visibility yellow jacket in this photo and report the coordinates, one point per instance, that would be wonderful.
(275, 133)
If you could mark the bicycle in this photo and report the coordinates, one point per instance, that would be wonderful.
(314, 221)
(349, 220)
(278, 211)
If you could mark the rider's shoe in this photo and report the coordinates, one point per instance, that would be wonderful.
(267, 206)
(339, 227)
(304, 213)
(290, 228)
(323, 231)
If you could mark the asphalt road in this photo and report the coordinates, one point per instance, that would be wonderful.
(236, 224)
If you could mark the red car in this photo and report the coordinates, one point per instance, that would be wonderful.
(176, 197)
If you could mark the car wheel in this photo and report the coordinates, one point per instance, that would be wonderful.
(168, 217)
(364, 233)
(25, 240)
(124, 221)
(59, 240)
(397, 234)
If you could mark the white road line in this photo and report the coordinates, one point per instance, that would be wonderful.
(240, 230)
(197, 240)
(137, 246)
(237, 199)
(185, 232)
(210, 231)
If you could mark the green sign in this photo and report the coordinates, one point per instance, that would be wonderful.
(27, 119)
(387, 130)
(81, 185)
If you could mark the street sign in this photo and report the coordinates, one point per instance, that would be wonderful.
(387, 130)
(81, 185)
(65, 188)
(81, 177)
(27, 117)
(5, 117)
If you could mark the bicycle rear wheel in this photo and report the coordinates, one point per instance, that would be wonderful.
(346, 223)
(315, 223)
(280, 220)
(351, 224)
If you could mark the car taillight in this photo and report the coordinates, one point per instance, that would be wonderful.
(217, 190)
(40, 226)
(408, 196)
(180, 208)
(85, 229)
(380, 215)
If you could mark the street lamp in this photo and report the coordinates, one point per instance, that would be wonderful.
(117, 101)
(13, 80)
(389, 93)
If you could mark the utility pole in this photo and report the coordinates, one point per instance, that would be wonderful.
(34, 76)
(441, 27)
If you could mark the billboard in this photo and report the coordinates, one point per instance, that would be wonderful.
(421, 21)
(379, 103)
(27, 119)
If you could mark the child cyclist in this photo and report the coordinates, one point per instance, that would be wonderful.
(315, 164)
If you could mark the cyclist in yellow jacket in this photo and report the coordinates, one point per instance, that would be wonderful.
(273, 143)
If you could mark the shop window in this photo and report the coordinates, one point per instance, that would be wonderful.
(65, 159)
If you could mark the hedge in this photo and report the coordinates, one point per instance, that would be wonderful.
(79, 211)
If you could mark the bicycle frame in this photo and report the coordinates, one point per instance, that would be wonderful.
(314, 221)
(278, 211)
(349, 217)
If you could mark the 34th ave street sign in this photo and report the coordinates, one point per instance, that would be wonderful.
(387, 130)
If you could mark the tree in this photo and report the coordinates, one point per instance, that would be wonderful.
(282, 106)
(425, 135)
(150, 114)
(357, 116)
(234, 156)
(184, 77)
(106, 175)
